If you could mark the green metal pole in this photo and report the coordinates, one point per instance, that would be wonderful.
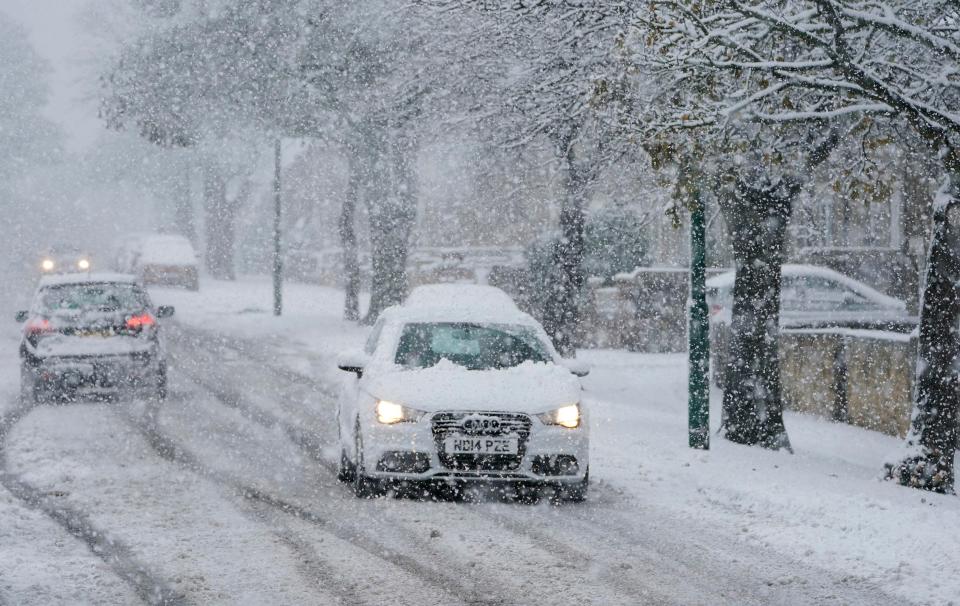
(699, 335)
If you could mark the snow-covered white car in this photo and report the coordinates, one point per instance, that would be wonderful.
(459, 385)
(89, 334)
(161, 259)
(810, 297)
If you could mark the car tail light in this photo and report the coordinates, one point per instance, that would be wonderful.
(715, 309)
(139, 321)
(38, 326)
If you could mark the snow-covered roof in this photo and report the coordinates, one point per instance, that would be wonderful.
(460, 296)
(86, 278)
(170, 249)
(725, 280)
(459, 303)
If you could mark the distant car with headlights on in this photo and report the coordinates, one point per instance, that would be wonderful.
(64, 260)
(456, 386)
(88, 334)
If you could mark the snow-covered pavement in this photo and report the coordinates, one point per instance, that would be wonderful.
(226, 493)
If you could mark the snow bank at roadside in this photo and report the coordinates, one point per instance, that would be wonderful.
(823, 505)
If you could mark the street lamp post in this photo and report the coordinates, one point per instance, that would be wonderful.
(277, 216)
(699, 336)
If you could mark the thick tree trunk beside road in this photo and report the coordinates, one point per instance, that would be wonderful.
(220, 215)
(392, 205)
(932, 440)
(752, 402)
(348, 242)
(561, 312)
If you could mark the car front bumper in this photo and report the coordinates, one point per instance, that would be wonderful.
(413, 451)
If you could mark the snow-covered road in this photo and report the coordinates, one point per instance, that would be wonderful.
(226, 493)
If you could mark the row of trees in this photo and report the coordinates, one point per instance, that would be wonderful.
(358, 77)
(754, 94)
(739, 102)
(742, 101)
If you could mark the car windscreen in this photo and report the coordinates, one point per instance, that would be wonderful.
(473, 346)
(107, 297)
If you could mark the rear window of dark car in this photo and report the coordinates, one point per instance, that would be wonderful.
(100, 296)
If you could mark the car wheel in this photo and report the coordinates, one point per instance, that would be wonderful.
(162, 383)
(576, 492)
(29, 386)
(346, 471)
(364, 487)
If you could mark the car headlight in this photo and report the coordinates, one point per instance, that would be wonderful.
(83, 264)
(565, 416)
(389, 413)
(47, 265)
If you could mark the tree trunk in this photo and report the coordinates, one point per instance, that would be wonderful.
(182, 203)
(392, 210)
(561, 313)
(752, 404)
(932, 440)
(348, 241)
(220, 215)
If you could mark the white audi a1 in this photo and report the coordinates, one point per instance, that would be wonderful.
(458, 385)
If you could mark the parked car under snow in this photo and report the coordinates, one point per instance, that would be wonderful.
(161, 259)
(811, 297)
(458, 385)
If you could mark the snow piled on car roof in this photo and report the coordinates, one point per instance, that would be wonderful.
(725, 280)
(167, 249)
(460, 302)
(85, 278)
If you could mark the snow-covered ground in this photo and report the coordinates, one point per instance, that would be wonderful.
(225, 494)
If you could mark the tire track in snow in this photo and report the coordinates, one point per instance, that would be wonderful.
(309, 444)
(170, 450)
(117, 555)
(607, 527)
(167, 449)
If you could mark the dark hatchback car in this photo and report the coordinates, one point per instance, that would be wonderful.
(91, 334)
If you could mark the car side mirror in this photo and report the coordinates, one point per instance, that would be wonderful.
(22, 315)
(581, 369)
(165, 311)
(353, 361)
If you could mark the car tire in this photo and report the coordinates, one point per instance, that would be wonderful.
(29, 387)
(346, 470)
(162, 384)
(364, 487)
(575, 492)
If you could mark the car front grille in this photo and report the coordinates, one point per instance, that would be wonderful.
(510, 424)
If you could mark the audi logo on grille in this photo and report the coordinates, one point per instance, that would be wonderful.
(478, 424)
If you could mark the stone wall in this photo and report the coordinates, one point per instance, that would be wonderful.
(861, 377)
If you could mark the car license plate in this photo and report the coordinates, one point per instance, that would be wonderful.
(102, 333)
(481, 445)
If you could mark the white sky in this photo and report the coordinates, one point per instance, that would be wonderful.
(57, 35)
